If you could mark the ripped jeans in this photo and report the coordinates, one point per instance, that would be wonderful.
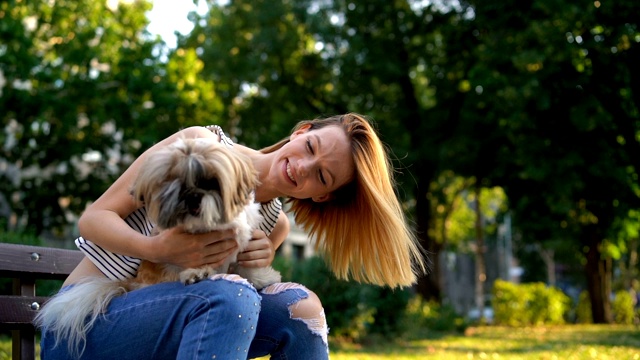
(220, 318)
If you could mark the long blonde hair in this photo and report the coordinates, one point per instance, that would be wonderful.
(362, 231)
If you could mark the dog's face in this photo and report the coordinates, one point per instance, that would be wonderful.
(195, 181)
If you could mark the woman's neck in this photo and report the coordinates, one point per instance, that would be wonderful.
(262, 163)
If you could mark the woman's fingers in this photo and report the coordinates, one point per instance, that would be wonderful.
(216, 253)
(194, 250)
(213, 248)
(259, 252)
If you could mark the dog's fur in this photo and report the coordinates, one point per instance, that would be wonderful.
(199, 184)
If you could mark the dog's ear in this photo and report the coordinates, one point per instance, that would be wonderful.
(151, 175)
(168, 203)
(247, 181)
(138, 198)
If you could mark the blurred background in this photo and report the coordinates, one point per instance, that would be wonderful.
(514, 127)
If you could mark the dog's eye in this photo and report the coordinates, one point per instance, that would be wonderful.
(209, 184)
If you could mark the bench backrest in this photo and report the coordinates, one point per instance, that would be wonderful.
(25, 264)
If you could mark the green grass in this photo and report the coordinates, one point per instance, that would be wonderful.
(571, 342)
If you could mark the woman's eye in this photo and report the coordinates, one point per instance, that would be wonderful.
(309, 146)
(322, 180)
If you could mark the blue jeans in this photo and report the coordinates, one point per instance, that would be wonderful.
(212, 319)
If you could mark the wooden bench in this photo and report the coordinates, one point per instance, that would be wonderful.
(25, 264)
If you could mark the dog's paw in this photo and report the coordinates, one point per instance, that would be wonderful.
(192, 276)
(260, 277)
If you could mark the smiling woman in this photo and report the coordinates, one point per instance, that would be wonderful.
(315, 162)
(339, 180)
(357, 223)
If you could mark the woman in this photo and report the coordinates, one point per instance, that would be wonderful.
(336, 175)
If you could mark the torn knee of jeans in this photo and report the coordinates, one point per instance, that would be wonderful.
(312, 314)
(231, 277)
(307, 309)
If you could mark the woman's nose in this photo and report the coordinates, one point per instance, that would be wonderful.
(304, 168)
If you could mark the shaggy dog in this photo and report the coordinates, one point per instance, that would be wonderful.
(198, 184)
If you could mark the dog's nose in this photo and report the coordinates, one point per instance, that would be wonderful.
(193, 203)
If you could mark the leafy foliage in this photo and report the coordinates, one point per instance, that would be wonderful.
(528, 304)
(623, 308)
(423, 316)
(353, 310)
(583, 309)
(83, 91)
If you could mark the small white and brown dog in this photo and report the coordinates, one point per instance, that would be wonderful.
(199, 184)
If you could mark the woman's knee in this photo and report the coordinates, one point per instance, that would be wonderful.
(310, 311)
(307, 307)
(227, 295)
(230, 292)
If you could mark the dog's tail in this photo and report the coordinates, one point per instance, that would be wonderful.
(72, 312)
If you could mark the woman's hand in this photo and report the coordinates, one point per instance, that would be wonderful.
(259, 252)
(177, 247)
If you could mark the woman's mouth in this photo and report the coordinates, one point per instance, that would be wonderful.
(289, 173)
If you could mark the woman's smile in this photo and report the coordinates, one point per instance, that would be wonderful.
(289, 172)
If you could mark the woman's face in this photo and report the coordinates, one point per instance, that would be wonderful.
(314, 163)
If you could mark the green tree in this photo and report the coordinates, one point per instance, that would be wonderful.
(536, 97)
(84, 90)
(267, 67)
(276, 62)
(554, 76)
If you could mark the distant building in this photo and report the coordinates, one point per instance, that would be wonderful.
(297, 245)
(458, 271)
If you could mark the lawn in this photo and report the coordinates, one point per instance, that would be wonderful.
(573, 342)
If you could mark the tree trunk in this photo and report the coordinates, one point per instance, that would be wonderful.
(481, 271)
(549, 261)
(630, 268)
(598, 273)
(429, 286)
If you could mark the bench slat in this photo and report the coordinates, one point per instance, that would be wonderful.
(16, 311)
(36, 261)
(25, 264)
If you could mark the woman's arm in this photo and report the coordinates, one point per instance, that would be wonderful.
(280, 231)
(102, 223)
